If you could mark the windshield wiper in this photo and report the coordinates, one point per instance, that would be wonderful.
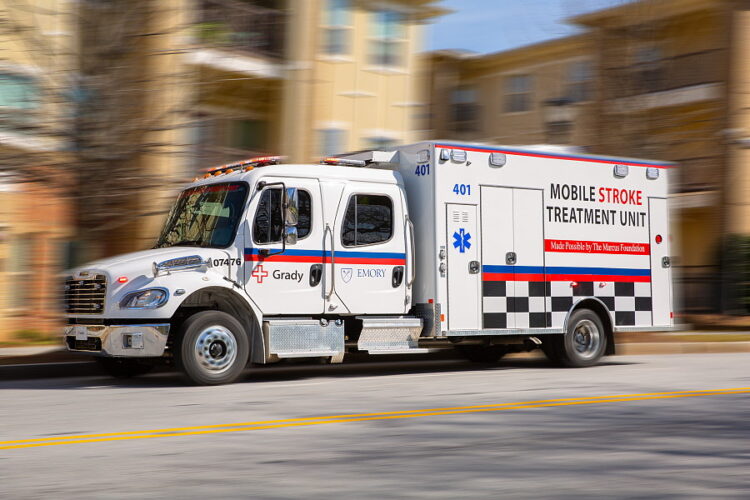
(185, 243)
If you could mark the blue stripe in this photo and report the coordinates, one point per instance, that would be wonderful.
(601, 271)
(608, 159)
(321, 253)
(288, 251)
(514, 269)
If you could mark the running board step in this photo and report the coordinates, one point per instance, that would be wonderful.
(389, 334)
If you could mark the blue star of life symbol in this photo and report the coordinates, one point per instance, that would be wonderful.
(461, 240)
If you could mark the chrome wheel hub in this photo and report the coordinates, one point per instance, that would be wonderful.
(586, 339)
(216, 349)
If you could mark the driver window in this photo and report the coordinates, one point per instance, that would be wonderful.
(269, 224)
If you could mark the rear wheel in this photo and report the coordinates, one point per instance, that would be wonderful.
(212, 348)
(124, 368)
(487, 354)
(583, 344)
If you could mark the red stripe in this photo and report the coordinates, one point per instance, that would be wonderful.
(563, 277)
(606, 247)
(283, 258)
(327, 260)
(554, 157)
(512, 277)
(598, 277)
(359, 260)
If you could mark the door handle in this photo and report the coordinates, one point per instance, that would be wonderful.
(510, 258)
(666, 262)
(316, 273)
(474, 267)
(398, 276)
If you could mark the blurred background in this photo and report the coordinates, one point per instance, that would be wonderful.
(108, 106)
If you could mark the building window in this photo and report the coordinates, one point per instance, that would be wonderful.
(337, 27)
(579, 81)
(331, 141)
(248, 135)
(19, 272)
(388, 38)
(381, 143)
(648, 71)
(268, 223)
(518, 93)
(464, 109)
(18, 91)
(368, 220)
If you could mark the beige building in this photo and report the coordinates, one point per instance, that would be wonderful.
(542, 93)
(128, 100)
(668, 80)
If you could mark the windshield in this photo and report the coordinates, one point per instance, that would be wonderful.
(205, 216)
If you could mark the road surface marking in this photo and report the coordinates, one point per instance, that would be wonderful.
(355, 417)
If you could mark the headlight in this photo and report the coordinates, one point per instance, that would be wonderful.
(145, 299)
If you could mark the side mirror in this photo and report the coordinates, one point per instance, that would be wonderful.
(290, 235)
(291, 208)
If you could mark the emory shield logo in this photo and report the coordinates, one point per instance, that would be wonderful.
(346, 274)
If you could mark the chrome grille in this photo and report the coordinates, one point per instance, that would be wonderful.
(85, 296)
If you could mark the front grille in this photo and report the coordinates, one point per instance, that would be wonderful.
(85, 296)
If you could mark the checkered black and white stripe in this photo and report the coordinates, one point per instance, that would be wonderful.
(540, 304)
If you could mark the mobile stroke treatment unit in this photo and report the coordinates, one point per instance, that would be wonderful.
(487, 250)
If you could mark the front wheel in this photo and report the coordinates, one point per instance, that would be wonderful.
(583, 344)
(212, 348)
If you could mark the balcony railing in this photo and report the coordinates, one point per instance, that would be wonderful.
(241, 26)
(678, 72)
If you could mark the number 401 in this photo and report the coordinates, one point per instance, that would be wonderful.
(422, 170)
(462, 189)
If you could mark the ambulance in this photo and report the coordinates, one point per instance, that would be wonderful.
(436, 245)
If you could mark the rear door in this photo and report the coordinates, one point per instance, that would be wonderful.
(285, 279)
(661, 270)
(367, 265)
(464, 268)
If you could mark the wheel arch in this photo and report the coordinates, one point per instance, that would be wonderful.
(217, 298)
(601, 310)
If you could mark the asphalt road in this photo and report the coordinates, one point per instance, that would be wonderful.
(436, 428)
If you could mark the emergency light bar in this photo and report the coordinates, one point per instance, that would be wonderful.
(248, 164)
(343, 162)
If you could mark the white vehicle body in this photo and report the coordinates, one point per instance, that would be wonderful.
(428, 245)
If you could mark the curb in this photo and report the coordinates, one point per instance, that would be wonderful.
(634, 348)
(68, 367)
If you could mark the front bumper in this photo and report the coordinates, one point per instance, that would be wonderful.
(132, 341)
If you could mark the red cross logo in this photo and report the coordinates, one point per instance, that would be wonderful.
(259, 273)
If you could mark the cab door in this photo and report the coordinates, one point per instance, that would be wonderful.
(282, 278)
(367, 272)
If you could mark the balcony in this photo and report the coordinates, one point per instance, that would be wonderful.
(239, 36)
(679, 80)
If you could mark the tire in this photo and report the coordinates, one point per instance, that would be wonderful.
(488, 354)
(212, 348)
(583, 344)
(124, 368)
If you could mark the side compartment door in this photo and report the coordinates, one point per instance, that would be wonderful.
(367, 270)
(287, 282)
(528, 306)
(464, 268)
(661, 270)
(498, 275)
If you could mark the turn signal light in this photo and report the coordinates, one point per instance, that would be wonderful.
(122, 279)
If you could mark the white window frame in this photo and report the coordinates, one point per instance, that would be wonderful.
(346, 28)
(509, 93)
